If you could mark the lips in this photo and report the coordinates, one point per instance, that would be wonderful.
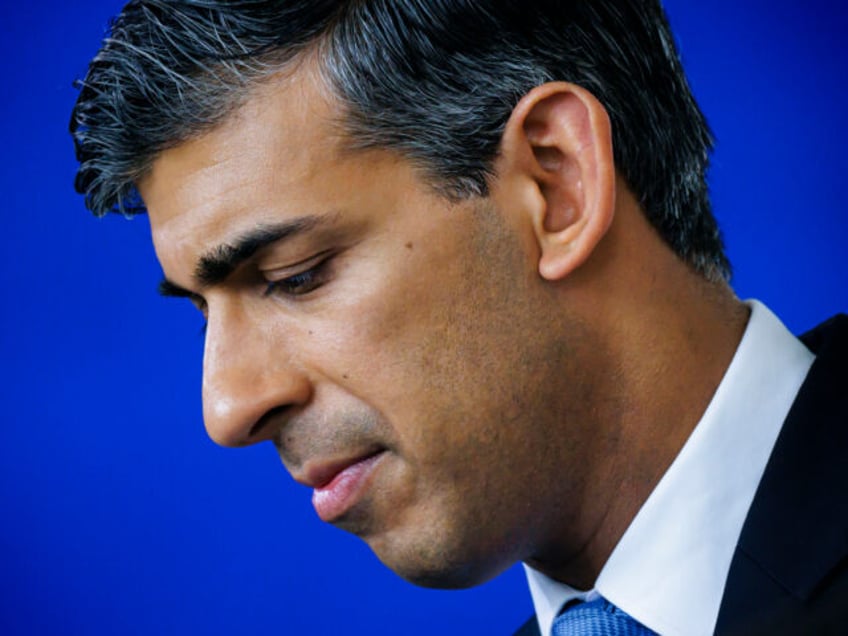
(339, 485)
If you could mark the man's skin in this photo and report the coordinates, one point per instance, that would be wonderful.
(502, 379)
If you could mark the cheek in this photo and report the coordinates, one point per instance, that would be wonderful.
(439, 341)
(379, 328)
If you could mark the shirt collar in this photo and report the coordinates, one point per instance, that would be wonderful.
(669, 569)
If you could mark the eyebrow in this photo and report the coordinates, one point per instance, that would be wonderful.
(220, 262)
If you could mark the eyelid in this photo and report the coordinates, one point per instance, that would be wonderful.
(277, 274)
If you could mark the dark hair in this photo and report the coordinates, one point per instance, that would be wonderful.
(435, 80)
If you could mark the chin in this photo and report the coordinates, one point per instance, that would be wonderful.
(440, 578)
(434, 564)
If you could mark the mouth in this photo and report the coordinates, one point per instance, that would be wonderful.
(338, 486)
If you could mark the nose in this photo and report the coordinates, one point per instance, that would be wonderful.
(249, 378)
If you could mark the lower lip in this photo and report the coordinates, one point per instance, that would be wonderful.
(340, 495)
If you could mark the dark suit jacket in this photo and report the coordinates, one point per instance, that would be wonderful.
(789, 573)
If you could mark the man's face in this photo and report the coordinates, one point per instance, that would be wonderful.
(398, 349)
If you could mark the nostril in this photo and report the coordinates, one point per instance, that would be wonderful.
(274, 415)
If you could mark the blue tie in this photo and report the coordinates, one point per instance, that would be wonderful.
(597, 618)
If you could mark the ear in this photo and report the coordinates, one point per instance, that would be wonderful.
(559, 139)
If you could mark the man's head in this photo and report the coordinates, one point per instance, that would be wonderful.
(415, 229)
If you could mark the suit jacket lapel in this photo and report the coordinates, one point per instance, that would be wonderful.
(795, 534)
(530, 628)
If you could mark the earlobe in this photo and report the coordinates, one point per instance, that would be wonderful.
(563, 137)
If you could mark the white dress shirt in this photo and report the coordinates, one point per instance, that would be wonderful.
(669, 569)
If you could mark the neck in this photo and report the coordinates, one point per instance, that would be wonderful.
(673, 335)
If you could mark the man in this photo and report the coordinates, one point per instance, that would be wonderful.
(458, 264)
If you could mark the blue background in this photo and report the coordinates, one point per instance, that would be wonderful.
(120, 517)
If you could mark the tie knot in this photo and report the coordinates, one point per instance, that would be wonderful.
(597, 618)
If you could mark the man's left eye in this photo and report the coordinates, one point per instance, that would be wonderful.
(301, 283)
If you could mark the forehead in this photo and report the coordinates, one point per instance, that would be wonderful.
(280, 140)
